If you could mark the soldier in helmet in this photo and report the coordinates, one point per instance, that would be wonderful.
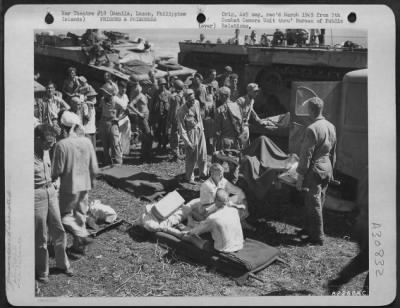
(108, 126)
(159, 113)
(176, 101)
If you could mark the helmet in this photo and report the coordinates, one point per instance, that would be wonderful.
(178, 84)
(107, 89)
(162, 81)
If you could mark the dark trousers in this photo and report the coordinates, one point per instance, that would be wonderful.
(174, 140)
(146, 138)
(161, 132)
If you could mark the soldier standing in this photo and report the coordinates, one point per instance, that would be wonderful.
(191, 130)
(139, 107)
(207, 109)
(248, 114)
(317, 159)
(176, 101)
(159, 112)
(228, 122)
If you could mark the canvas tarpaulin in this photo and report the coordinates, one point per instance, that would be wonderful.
(261, 162)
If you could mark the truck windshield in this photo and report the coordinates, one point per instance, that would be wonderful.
(302, 95)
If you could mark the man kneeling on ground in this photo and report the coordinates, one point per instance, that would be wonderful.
(224, 225)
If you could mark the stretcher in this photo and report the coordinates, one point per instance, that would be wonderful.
(241, 265)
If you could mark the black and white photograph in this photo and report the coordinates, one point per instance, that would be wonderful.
(195, 162)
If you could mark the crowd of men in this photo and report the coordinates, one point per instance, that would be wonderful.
(289, 37)
(206, 115)
(161, 113)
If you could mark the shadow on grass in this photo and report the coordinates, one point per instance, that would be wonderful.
(140, 234)
(285, 292)
(287, 206)
(147, 186)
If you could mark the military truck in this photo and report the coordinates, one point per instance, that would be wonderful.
(346, 106)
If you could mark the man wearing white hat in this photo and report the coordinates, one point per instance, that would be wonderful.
(75, 163)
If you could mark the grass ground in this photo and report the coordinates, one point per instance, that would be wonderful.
(122, 264)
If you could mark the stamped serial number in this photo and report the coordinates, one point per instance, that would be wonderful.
(349, 293)
(379, 252)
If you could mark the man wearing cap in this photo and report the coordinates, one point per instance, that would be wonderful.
(75, 164)
(159, 112)
(191, 130)
(315, 169)
(50, 105)
(224, 77)
(108, 126)
(138, 106)
(228, 122)
(248, 114)
(176, 101)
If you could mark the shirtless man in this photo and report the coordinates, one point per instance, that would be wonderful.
(224, 225)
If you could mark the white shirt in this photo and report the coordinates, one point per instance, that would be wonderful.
(209, 189)
(225, 228)
(122, 100)
(90, 127)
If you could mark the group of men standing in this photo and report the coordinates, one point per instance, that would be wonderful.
(206, 115)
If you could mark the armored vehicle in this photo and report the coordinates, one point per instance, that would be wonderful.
(118, 55)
